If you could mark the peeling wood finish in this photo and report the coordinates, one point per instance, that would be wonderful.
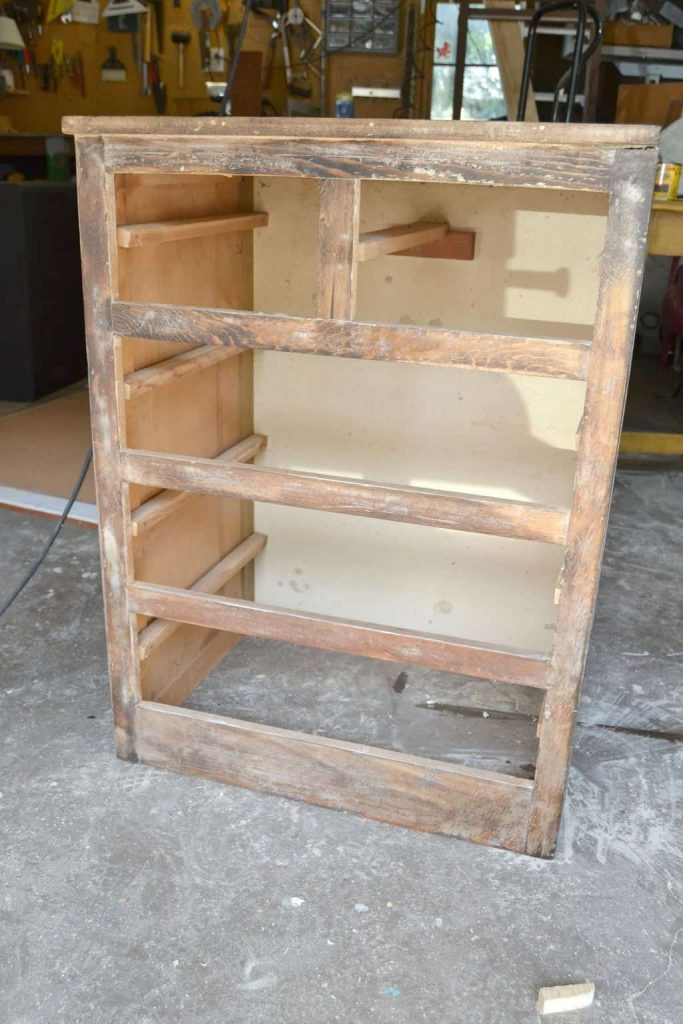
(448, 654)
(194, 628)
(336, 272)
(432, 796)
(362, 129)
(449, 510)
(621, 275)
(97, 226)
(532, 166)
(544, 357)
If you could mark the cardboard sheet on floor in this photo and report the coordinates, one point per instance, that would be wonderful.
(42, 447)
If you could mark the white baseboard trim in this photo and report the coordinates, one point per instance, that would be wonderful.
(47, 505)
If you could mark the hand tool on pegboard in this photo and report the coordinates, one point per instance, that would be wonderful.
(181, 40)
(158, 87)
(206, 17)
(158, 8)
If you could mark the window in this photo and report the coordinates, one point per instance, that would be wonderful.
(482, 90)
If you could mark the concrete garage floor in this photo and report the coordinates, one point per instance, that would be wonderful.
(137, 896)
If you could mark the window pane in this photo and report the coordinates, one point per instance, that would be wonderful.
(445, 33)
(482, 95)
(443, 83)
(479, 44)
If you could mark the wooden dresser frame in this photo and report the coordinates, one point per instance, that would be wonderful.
(487, 807)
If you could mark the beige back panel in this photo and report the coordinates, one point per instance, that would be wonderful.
(485, 433)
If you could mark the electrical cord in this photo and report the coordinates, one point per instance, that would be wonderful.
(52, 538)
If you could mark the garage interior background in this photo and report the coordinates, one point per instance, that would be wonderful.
(406, 908)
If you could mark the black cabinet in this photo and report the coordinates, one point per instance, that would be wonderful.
(42, 342)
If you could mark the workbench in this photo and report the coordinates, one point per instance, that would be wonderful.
(666, 228)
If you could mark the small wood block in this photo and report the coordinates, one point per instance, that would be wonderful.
(563, 998)
(391, 240)
(455, 245)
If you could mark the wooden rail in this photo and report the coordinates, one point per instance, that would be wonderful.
(168, 370)
(532, 165)
(544, 357)
(483, 661)
(162, 505)
(131, 236)
(153, 635)
(417, 792)
(472, 513)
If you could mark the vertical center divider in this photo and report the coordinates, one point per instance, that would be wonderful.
(338, 229)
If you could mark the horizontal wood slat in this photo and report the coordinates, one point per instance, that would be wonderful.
(130, 236)
(449, 510)
(402, 236)
(159, 374)
(162, 505)
(544, 357)
(153, 635)
(504, 133)
(415, 792)
(454, 160)
(484, 661)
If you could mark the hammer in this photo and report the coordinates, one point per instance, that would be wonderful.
(181, 39)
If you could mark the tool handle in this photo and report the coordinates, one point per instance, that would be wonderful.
(148, 34)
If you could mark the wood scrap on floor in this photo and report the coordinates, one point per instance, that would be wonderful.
(563, 998)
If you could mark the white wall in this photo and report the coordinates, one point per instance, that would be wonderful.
(487, 433)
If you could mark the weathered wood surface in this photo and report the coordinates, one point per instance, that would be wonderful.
(157, 508)
(394, 787)
(621, 274)
(400, 236)
(544, 357)
(483, 661)
(180, 682)
(153, 635)
(414, 792)
(336, 273)
(96, 212)
(584, 168)
(547, 134)
(472, 513)
(158, 374)
(130, 236)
